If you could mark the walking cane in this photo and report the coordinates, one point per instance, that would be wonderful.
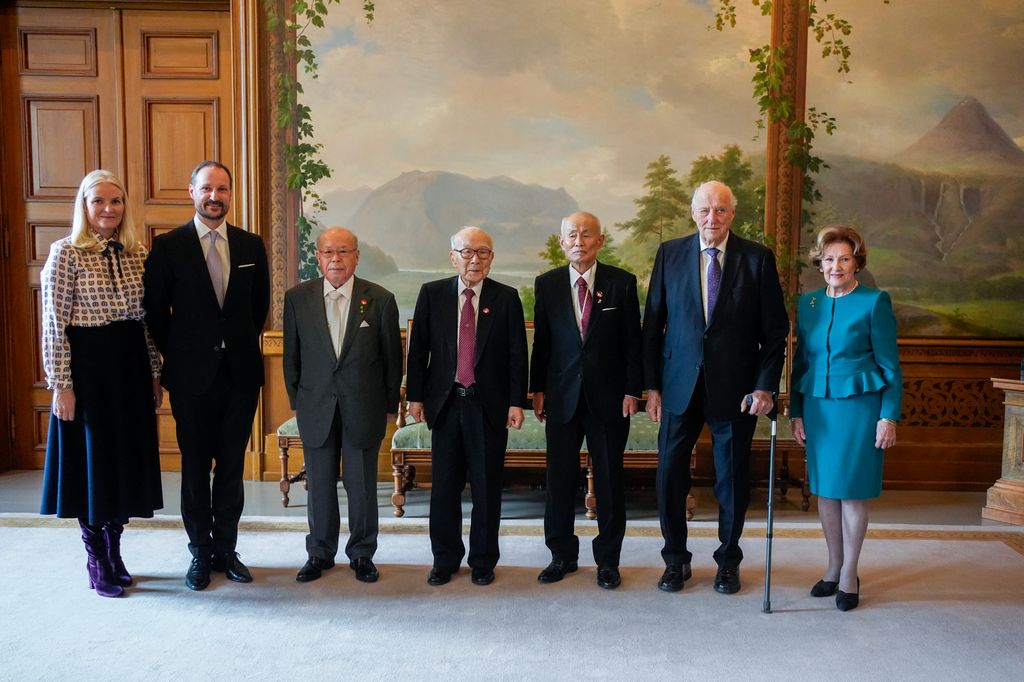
(767, 606)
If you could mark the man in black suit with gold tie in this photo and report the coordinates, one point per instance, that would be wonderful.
(207, 297)
(714, 342)
(586, 376)
(343, 373)
(466, 377)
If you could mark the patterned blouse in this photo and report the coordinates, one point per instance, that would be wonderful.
(87, 289)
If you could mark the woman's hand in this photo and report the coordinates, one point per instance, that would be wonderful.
(64, 405)
(885, 434)
(799, 435)
(158, 393)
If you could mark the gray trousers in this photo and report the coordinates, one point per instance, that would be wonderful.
(360, 481)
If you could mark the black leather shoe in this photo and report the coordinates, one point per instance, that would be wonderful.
(365, 570)
(608, 577)
(440, 576)
(727, 580)
(556, 570)
(848, 601)
(483, 576)
(230, 565)
(198, 576)
(674, 576)
(313, 569)
(824, 588)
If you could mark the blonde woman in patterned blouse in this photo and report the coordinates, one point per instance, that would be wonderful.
(102, 462)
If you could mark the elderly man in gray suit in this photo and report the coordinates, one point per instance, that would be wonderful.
(343, 372)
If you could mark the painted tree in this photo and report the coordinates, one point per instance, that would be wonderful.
(665, 207)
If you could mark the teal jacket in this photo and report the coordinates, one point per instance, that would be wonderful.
(849, 353)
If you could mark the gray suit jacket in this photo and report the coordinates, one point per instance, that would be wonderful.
(364, 381)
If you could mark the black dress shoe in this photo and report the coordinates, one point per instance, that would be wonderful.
(674, 576)
(365, 570)
(483, 576)
(727, 580)
(439, 575)
(313, 569)
(824, 588)
(198, 576)
(556, 570)
(608, 577)
(848, 601)
(230, 565)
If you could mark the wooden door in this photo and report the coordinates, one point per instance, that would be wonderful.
(144, 94)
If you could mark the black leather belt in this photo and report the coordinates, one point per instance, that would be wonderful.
(464, 392)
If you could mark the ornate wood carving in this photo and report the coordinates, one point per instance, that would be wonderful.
(952, 401)
(61, 142)
(56, 51)
(281, 218)
(180, 54)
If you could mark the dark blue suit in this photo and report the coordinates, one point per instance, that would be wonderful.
(703, 370)
(584, 381)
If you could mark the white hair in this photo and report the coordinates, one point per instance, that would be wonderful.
(705, 185)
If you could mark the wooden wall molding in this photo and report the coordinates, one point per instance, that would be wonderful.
(49, 51)
(180, 54)
(61, 142)
(176, 132)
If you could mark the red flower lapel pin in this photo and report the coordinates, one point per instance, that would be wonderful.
(486, 311)
(362, 305)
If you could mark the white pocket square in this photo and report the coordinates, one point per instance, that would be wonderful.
(612, 308)
(364, 324)
(246, 265)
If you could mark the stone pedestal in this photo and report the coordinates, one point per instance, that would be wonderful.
(1005, 500)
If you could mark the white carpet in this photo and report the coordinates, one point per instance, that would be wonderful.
(931, 608)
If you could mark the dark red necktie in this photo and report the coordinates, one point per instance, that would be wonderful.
(585, 303)
(467, 342)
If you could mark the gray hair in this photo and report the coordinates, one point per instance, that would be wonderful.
(458, 239)
(568, 220)
(706, 185)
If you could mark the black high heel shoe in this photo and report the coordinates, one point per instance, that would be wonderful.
(824, 588)
(848, 601)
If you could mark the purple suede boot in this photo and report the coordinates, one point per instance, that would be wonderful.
(112, 535)
(101, 575)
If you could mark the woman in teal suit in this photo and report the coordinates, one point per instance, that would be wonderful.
(847, 388)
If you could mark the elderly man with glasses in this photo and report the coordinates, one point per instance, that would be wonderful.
(466, 376)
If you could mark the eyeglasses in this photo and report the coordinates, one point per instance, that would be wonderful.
(482, 254)
(331, 253)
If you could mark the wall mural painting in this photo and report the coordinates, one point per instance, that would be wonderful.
(927, 160)
(510, 116)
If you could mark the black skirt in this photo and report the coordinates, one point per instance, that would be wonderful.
(105, 465)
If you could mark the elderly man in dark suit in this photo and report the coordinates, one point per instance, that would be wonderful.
(207, 297)
(466, 377)
(343, 373)
(714, 341)
(586, 375)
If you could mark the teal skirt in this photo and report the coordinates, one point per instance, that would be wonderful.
(842, 460)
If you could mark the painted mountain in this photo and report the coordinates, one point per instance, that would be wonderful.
(412, 217)
(944, 226)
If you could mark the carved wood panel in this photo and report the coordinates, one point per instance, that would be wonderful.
(40, 235)
(52, 51)
(62, 143)
(179, 54)
(178, 133)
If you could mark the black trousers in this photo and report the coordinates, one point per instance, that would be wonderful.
(465, 447)
(359, 473)
(730, 443)
(213, 426)
(606, 440)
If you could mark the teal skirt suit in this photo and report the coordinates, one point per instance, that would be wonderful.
(846, 376)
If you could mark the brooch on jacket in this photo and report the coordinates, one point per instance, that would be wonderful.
(362, 305)
(813, 299)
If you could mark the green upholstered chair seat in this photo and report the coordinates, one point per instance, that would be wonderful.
(288, 429)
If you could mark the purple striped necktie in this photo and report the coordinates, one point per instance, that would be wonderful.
(467, 342)
(714, 279)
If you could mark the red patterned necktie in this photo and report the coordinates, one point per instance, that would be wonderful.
(467, 342)
(585, 303)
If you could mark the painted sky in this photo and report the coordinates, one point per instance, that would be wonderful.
(583, 94)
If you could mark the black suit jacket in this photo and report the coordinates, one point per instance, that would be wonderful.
(192, 332)
(364, 381)
(500, 362)
(742, 348)
(606, 365)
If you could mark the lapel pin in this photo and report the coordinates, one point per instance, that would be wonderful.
(362, 305)
(813, 299)
(600, 295)
(486, 310)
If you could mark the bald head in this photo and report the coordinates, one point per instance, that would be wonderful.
(337, 252)
(581, 239)
(478, 245)
(713, 208)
